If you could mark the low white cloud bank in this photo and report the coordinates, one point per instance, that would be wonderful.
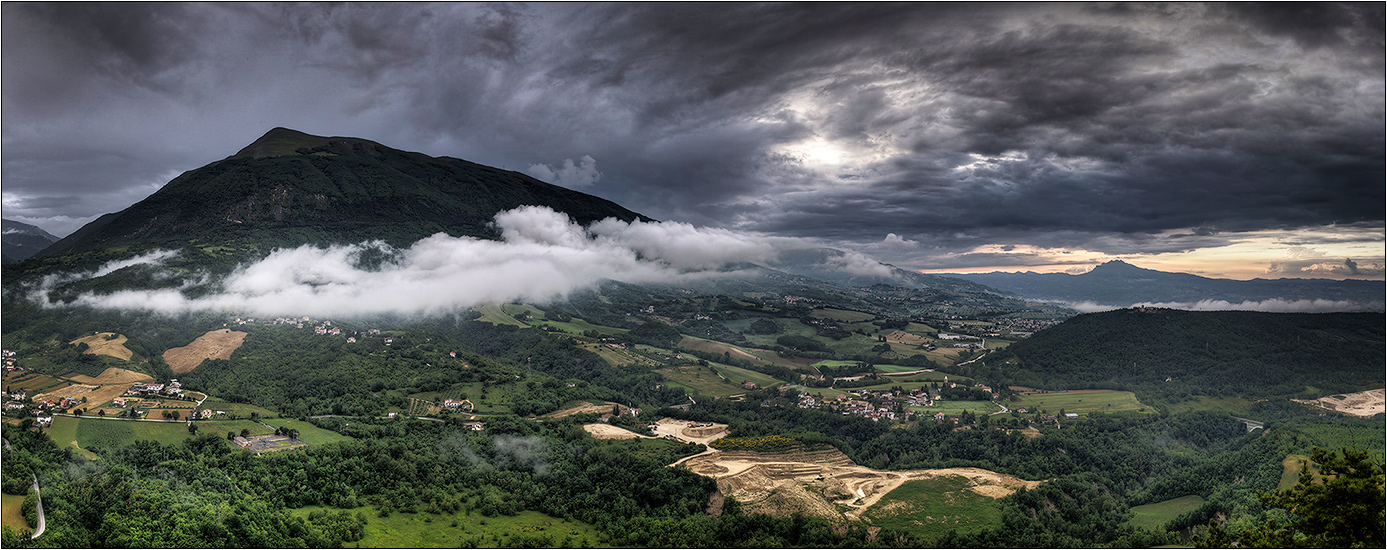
(1275, 305)
(570, 175)
(543, 255)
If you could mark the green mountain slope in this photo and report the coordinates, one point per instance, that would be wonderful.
(290, 188)
(1204, 353)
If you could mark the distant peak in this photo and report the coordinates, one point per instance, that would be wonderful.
(1115, 265)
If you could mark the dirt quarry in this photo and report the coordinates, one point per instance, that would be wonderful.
(216, 344)
(1363, 404)
(824, 483)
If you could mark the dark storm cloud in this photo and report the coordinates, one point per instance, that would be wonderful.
(1121, 128)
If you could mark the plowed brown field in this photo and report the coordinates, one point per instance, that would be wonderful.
(106, 343)
(217, 344)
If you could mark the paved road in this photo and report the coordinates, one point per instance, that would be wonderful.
(43, 524)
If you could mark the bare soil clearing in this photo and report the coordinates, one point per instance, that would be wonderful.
(608, 431)
(1364, 403)
(587, 408)
(106, 343)
(824, 483)
(216, 344)
(114, 376)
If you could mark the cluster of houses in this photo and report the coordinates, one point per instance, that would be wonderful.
(323, 328)
(9, 361)
(464, 405)
(18, 401)
(173, 388)
(882, 405)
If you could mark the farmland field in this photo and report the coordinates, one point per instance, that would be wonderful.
(897, 368)
(14, 516)
(1153, 516)
(526, 529)
(106, 343)
(493, 314)
(739, 376)
(33, 383)
(101, 432)
(955, 408)
(114, 375)
(308, 433)
(616, 356)
(933, 507)
(1082, 402)
(699, 379)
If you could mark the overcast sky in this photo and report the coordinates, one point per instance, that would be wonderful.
(1237, 140)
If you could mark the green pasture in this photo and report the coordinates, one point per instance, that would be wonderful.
(834, 363)
(955, 408)
(997, 343)
(90, 432)
(1156, 515)
(930, 508)
(241, 410)
(462, 530)
(738, 352)
(492, 314)
(496, 401)
(617, 356)
(896, 368)
(1081, 402)
(1291, 466)
(699, 380)
(739, 376)
(13, 512)
(308, 433)
(63, 431)
(842, 315)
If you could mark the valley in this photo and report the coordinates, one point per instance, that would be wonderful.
(339, 344)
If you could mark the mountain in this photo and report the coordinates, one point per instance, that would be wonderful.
(22, 240)
(289, 188)
(1117, 283)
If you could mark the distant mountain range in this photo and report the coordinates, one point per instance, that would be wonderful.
(1120, 284)
(21, 241)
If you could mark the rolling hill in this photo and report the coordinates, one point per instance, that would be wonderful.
(1172, 353)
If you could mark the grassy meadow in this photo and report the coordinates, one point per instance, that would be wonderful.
(13, 515)
(1081, 402)
(932, 507)
(308, 433)
(1153, 516)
